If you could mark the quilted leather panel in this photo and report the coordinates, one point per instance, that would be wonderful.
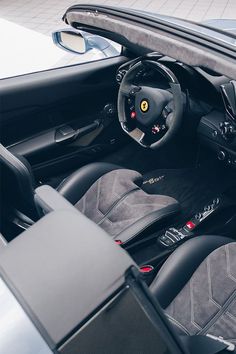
(207, 303)
(115, 201)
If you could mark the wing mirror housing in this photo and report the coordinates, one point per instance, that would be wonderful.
(80, 42)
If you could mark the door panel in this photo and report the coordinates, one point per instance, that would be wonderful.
(39, 113)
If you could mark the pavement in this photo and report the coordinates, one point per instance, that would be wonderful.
(45, 16)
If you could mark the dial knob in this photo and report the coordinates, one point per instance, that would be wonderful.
(227, 130)
(119, 77)
(221, 155)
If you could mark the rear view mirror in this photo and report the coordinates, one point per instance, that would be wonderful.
(70, 40)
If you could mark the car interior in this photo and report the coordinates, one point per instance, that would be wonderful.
(145, 147)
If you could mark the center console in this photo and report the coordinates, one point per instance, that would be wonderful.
(220, 136)
(217, 217)
(173, 236)
(217, 130)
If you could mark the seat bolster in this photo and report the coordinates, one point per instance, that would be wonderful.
(181, 265)
(142, 224)
(76, 185)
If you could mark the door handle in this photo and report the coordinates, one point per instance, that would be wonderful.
(67, 134)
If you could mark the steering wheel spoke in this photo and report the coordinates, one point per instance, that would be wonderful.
(136, 133)
(130, 90)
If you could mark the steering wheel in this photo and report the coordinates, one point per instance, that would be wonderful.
(150, 115)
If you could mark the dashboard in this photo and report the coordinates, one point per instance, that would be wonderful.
(210, 96)
(201, 83)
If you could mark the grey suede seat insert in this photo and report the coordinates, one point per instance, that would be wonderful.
(116, 201)
(207, 303)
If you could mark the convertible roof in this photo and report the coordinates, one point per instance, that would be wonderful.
(142, 32)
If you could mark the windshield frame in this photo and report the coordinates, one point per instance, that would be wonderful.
(142, 34)
(183, 28)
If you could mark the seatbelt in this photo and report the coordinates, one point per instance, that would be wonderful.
(207, 344)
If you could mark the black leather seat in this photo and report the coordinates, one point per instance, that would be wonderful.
(107, 194)
(113, 198)
(196, 287)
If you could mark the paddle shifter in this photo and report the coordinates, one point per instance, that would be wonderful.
(172, 236)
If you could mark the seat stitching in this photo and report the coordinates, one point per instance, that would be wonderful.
(210, 284)
(119, 221)
(223, 308)
(177, 323)
(115, 179)
(146, 226)
(98, 194)
(219, 313)
(160, 205)
(228, 264)
(106, 217)
(191, 306)
(231, 315)
(133, 218)
(223, 313)
(116, 203)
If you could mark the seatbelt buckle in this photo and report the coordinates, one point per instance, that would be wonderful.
(230, 346)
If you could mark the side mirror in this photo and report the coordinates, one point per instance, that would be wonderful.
(70, 40)
(77, 42)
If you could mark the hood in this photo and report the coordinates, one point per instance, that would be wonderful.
(219, 29)
(223, 25)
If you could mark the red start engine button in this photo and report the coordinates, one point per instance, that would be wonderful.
(190, 225)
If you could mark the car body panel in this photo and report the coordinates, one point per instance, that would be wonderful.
(208, 28)
(18, 334)
(225, 25)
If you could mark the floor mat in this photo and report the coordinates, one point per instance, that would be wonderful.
(143, 160)
(193, 188)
